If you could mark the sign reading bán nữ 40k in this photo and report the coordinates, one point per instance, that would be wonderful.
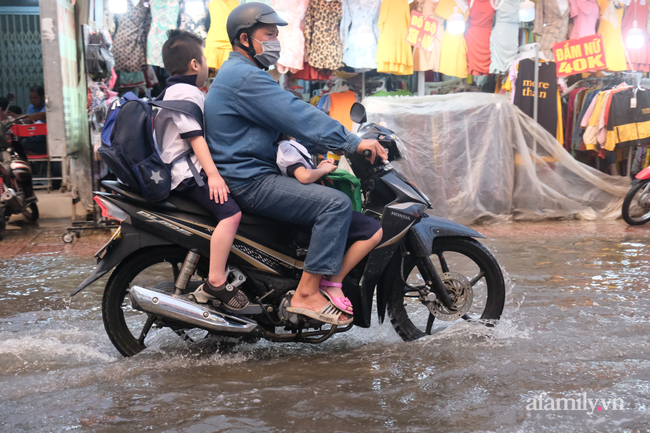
(580, 55)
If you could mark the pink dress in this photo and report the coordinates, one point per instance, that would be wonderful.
(291, 37)
(639, 58)
(585, 13)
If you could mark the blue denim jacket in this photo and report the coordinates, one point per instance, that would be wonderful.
(246, 110)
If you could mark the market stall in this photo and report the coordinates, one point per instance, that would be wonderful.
(563, 68)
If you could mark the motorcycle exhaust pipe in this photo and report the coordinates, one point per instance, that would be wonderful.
(10, 200)
(181, 310)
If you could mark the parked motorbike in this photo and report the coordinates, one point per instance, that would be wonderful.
(424, 269)
(16, 190)
(636, 206)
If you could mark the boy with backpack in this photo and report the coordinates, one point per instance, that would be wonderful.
(176, 133)
(364, 233)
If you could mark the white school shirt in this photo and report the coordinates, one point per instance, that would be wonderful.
(172, 130)
(291, 152)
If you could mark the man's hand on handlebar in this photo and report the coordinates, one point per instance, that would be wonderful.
(372, 149)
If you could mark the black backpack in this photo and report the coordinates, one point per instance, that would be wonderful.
(128, 147)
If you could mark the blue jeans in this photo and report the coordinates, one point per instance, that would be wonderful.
(285, 199)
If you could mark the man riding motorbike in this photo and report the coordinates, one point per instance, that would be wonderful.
(246, 110)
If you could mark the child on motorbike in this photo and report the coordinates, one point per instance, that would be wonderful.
(363, 235)
(174, 133)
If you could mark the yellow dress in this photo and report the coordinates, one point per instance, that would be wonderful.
(217, 45)
(394, 54)
(453, 54)
(612, 38)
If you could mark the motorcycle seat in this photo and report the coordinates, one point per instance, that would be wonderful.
(176, 202)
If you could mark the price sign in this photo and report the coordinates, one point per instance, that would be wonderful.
(422, 31)
(580, 55)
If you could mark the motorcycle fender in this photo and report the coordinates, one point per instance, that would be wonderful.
(130, 241)
(422, 234)
(643, 174)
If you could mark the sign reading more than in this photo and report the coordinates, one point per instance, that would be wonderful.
(422, 31)
(580, 55)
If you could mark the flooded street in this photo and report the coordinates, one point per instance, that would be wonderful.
(575, 326)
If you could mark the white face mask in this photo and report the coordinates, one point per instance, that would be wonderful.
(270, 52)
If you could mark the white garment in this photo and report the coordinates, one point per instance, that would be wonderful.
(563, 5)
(169, 126)
(290, 153)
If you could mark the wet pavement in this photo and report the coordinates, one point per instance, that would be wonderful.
(575, 327)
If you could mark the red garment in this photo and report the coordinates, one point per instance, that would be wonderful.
(341, 103)
(477, 37)
(309, 73)
(569, 118)
(640, 57)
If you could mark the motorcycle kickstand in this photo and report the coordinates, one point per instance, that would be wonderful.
(146, 328)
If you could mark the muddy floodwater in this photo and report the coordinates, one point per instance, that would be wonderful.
(571, 354)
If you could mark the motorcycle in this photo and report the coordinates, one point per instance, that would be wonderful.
(16, 190)
(636, 206)
(160, 255)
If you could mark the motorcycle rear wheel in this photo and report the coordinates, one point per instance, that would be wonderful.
(412, 319)
(147, 267)
(636, 209)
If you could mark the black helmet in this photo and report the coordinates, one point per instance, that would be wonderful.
(247, 15)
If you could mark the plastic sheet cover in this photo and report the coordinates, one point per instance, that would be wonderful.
(478, 157)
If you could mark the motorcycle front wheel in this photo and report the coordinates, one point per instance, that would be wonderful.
(150, 267)
(636, 206)
(467, 269)
(31, 212)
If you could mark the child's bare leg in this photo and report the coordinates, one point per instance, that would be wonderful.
(352, 256)
(220, 243)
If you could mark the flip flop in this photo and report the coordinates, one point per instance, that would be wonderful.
(328, 314)
(340, 302)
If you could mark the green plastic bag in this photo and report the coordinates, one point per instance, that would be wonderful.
(346, 183)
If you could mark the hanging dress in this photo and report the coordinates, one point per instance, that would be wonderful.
(477, 37)
(164, 16)
(425, 60)
(130, 42)
(217, 45)
(585, 15)
(394, 54)
(638, 57)
(453, 54)
(551, 24)
(291, 37)
(610, 29)
(359, 33)
(322, 40)
(504, 39)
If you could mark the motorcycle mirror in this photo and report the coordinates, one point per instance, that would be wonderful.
(358, 113)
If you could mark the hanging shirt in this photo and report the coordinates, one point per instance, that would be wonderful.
(360, 33)
(291, 36)
(130, 42)
(547, 112)
(322, 39)
(164, 17)
(551, 24)
(629, 118)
